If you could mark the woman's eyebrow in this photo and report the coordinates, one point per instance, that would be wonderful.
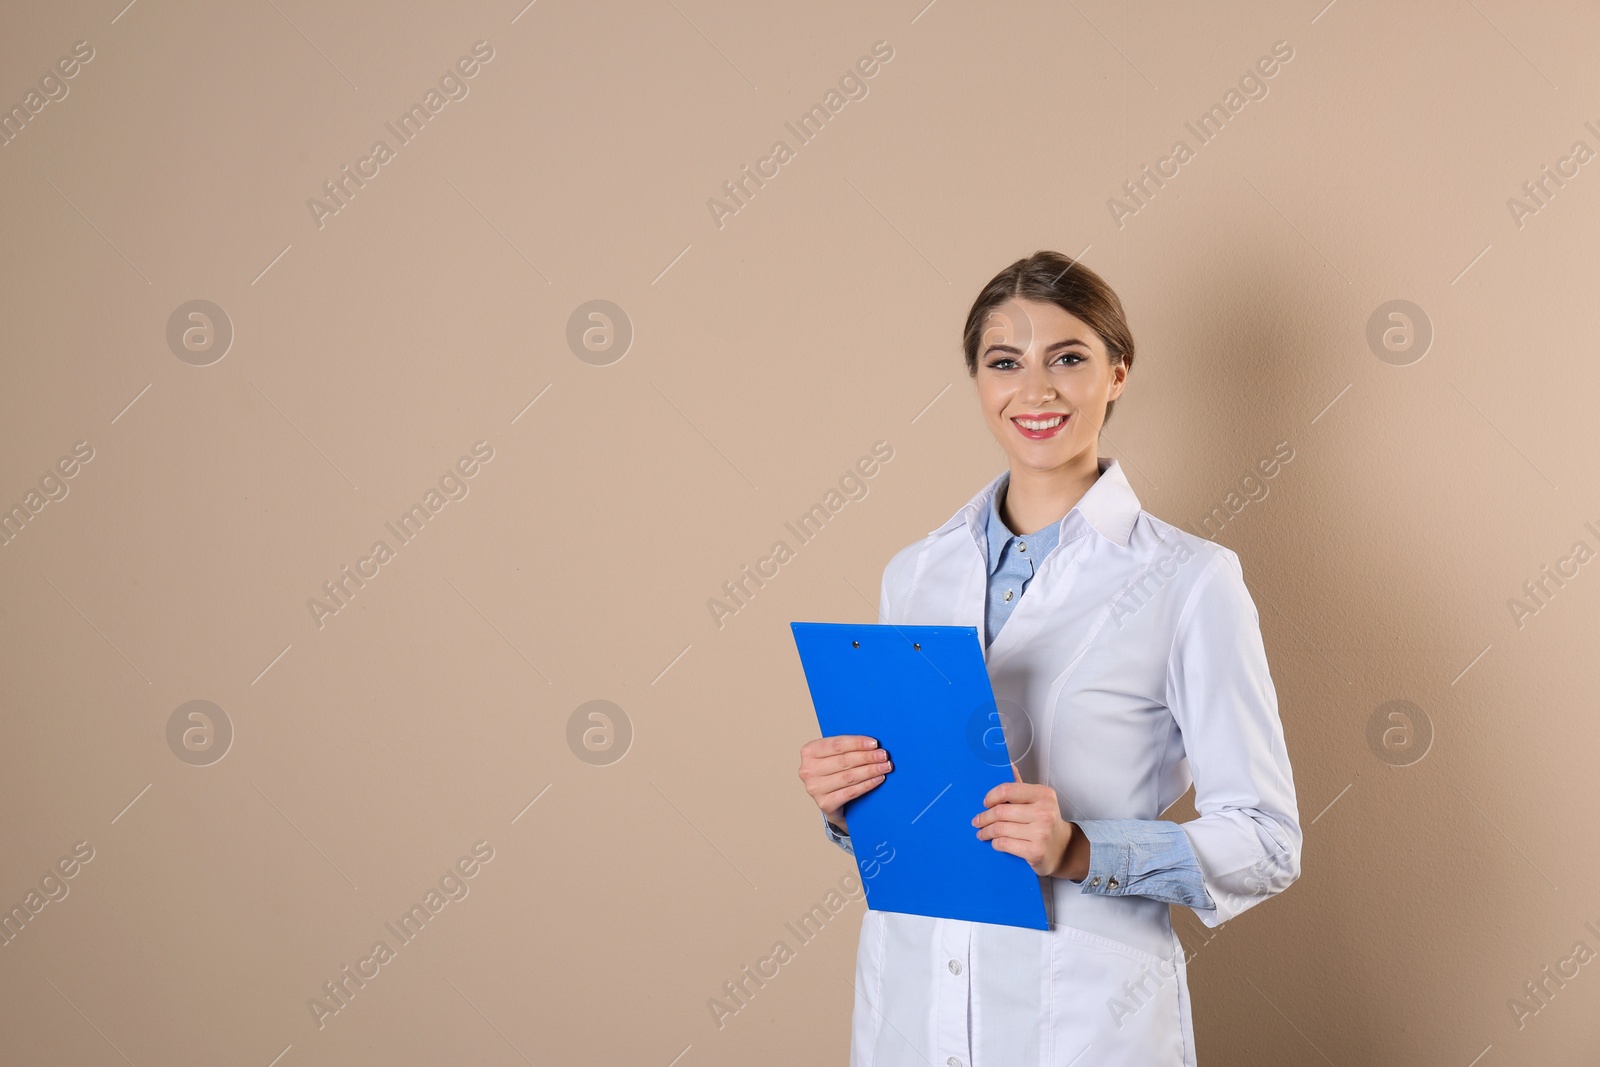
(1068, 343)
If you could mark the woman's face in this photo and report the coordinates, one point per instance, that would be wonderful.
(1040, 365)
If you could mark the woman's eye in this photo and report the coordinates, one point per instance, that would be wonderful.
(1007, 363)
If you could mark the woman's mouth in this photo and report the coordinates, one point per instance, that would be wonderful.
(1039, 427)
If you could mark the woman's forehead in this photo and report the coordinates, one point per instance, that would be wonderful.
(1020, 322)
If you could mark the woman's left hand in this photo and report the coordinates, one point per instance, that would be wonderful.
(1025, 820)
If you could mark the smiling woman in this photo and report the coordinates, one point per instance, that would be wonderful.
(1124, 649)
(1048, 378)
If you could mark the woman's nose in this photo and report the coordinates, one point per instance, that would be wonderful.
(1036, 385)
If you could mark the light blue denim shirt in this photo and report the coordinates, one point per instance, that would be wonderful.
(1013, 559)
(1127, 857)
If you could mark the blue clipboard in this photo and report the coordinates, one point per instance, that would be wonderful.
(924, 693)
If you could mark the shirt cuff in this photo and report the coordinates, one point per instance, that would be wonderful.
(1143, 857)
(840, 839)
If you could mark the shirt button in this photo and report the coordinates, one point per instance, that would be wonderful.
(955, 966)
(1008, 596)
(1111, 884)
(1095, 880)
(1022, 546)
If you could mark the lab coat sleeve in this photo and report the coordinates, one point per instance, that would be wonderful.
(1247, 838)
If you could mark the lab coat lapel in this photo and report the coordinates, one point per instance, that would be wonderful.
(951, 584)
(1018, 660)
(1054, 625)
(952, 589)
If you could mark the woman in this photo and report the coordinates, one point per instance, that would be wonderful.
(1127, 661)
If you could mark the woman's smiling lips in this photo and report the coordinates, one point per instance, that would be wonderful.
(1039, 427)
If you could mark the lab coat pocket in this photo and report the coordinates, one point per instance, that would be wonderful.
(1118, 1003)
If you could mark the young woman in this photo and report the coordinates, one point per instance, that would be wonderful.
(1126, 658)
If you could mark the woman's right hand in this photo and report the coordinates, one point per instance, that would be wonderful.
(840, 768)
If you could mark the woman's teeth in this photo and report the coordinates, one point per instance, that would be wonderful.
(1028, 424)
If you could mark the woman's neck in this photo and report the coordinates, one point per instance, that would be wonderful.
(1036, 498)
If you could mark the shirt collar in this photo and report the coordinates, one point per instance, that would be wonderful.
(1109, 507)
(996, 533)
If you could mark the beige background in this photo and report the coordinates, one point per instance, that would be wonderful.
(769, 354)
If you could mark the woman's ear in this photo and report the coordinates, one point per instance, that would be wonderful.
(1119, 378)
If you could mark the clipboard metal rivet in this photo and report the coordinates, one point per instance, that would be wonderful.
(855, 644)
(916, 646)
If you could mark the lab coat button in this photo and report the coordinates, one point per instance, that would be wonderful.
(953, 1062)
(955, 966)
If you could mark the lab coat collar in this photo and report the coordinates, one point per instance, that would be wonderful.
(1109, 507)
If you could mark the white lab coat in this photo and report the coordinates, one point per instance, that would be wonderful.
(1136, 653)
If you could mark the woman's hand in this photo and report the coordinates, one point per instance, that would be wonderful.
(1025, 820)
(840, 768)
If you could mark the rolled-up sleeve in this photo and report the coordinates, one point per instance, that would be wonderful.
(1247, 837)
(842, 840)
(1145, 858)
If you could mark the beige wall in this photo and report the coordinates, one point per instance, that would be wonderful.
(373, 347)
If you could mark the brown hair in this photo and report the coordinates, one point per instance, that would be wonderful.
(1052, 278)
